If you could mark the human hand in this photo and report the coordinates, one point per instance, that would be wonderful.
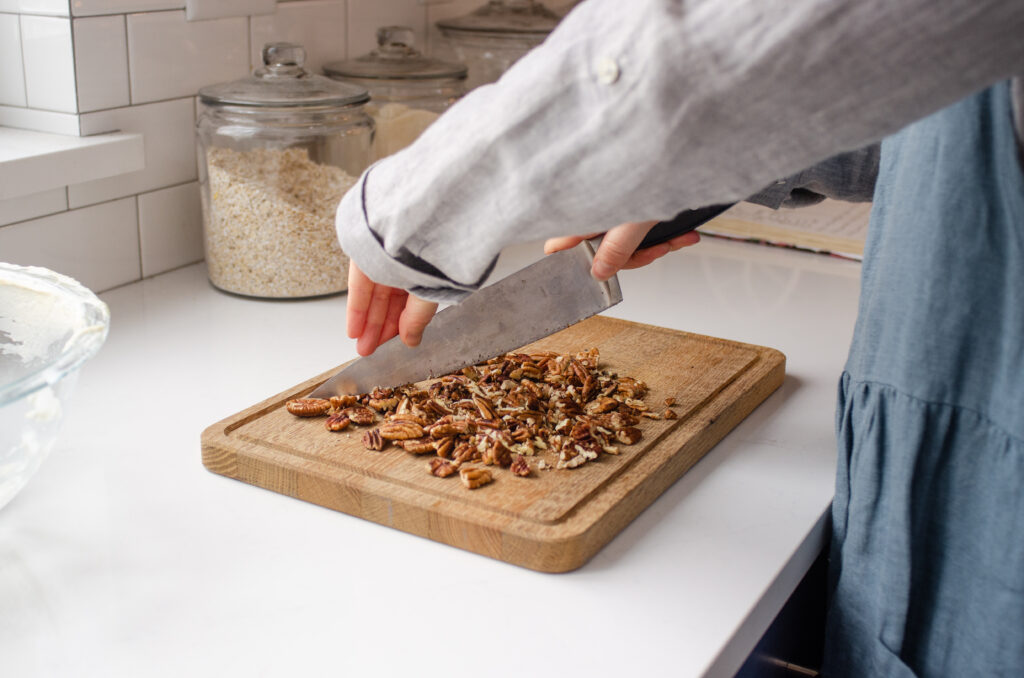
(618, 249)
(376, 313)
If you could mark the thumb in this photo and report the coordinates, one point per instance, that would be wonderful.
(617, 247)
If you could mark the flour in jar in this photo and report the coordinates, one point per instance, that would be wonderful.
(269, 223)
(397, 126)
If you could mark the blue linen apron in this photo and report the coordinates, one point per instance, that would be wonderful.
(927, 560)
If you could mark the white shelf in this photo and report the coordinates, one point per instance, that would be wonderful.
(31, 162)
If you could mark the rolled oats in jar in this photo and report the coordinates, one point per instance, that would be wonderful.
(276, 153)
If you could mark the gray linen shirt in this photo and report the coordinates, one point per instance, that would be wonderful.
(638, 110)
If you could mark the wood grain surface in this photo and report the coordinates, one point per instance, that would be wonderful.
(553, 521)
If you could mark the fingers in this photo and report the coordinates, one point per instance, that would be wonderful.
(552, 245)
(650, 254)
(618, 246)
(414, 319)
(376, 313)
(360, 289)
(391, 319)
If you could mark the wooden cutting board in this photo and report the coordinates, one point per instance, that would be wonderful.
(553, 521)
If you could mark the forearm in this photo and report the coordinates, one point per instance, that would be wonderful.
(712, 102)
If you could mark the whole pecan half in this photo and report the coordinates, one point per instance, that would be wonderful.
(400, 430)
(444, 447)
(308, 407)
(372, 440)
(337, 422)
(475, 477)
(417, 445)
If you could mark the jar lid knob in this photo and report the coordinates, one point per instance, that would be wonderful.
(395, 39)
(283, 58)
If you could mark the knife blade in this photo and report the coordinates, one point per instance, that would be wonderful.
(534, 302)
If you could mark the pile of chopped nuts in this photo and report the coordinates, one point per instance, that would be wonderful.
(501, 414)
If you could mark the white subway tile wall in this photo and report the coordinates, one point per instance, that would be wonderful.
(12, 72)
(171, 57)
(34, 205)
(170, 228)
(50, 7)
(101, 62)
(135, 66)
(366, 16)
(98, 245)
(318, 25)
(196, 10)
(167, 129)
(49, 63)
(94, 7)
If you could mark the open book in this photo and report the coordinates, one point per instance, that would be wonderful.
(831, 226)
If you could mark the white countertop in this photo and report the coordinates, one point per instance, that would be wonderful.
(125, 557)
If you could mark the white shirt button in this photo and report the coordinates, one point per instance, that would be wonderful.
(607, 71)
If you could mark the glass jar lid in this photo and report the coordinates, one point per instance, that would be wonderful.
(282, 81)
(396, 59)
(504, 16)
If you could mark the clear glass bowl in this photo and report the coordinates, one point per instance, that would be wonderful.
(49, 326)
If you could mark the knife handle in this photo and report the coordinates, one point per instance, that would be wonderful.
(684, 222)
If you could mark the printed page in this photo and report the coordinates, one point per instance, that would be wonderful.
(832, 226)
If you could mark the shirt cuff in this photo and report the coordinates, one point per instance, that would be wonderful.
(369, 251)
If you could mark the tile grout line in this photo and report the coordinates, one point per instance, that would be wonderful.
(24, 74)
(127, 58)
(97, 204)
(138, 231)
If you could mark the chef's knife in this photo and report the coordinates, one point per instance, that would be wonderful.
(540, 299)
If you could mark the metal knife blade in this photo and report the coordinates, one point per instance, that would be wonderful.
(540, 299)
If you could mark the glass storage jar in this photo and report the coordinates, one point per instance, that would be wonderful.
(407, 89)
(494, 36)
(276, 152)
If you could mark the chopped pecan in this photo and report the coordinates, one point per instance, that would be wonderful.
(308, 407)
(495, 453)
(337, 422)
(360, 415)
(372, 440)
(465, 452)
(475, 477)
(670, 414)
(442, 468)
(669, 402)
(384, 404)
(343, 401)
(631, 388)
(638, 405)
(520, 467)
(629, 435)
(400, 430)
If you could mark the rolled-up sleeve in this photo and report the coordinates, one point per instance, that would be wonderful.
(635, 111)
